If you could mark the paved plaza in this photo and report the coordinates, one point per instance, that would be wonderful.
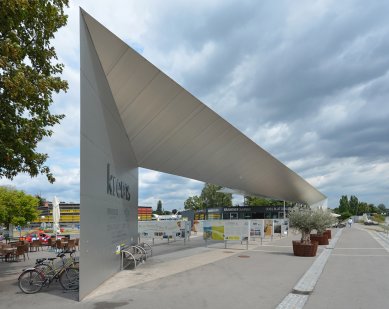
(351, 272)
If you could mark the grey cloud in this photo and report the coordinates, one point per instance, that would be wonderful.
(272, 63)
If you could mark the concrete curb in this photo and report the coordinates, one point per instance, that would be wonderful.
(300, 293)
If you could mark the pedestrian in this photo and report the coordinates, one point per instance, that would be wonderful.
(350, 221)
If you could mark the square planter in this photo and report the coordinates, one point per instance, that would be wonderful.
(321, 239)
(328, 233)
(300, 249)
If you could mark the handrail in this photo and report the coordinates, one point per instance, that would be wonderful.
(141, 249)
(122, 255)
(137, 252)
(147, 249)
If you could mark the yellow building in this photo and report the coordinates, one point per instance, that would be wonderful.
(70, 214)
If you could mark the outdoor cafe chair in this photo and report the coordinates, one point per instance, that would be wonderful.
(49, 243)
(19, 251)
(36, 245)
(2, 254)
(60, 245)
(26, 248)
(71, 244)
(77, 243)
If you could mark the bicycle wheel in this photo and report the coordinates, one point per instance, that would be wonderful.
(69, 279)
(31, 281)
(46, 269)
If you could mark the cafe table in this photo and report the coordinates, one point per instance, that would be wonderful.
(8, 252)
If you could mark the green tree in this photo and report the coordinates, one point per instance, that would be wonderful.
(256, 201)
(193, 203)
(159, 208)
(353, 204)
(373, 209)
(363, 208)
(212, 198)
(343, 204)
(345, 215)
(260, 201)
(29, 75)
(382, 208)
(17, 207)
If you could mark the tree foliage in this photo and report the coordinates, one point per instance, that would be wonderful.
(29, 75)
(209, 198)
(382, 208)
(301, 218)
(212, 198)
(193, 203)
(259, 201)
(305, 220)
(323, 219)
(343, 204)
(159, 208)
(349, 207)
(17, 207)
(353, 204)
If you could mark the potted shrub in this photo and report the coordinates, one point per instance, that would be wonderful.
(322, 220)
(302, 219)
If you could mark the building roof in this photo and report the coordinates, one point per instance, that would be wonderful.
(172, 131)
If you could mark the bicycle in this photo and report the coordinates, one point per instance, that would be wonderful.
(33, 279)
(48, 267)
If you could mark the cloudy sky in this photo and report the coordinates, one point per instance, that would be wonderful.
(306, 80)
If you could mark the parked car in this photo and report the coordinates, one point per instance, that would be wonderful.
(43, 237)
(370, 222)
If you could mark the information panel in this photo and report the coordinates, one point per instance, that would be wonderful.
(236, 229)
(214, 229)
(171, 228)
(256, 228)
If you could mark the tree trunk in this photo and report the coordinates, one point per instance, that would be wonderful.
(305, 237)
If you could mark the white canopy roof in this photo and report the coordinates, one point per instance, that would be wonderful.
(172, 131)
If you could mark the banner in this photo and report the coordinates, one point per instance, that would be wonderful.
(214, 230)
(280, 226)
(240, 229)
(168, 228)
(236, 229)
(256, 228)
(268, 227)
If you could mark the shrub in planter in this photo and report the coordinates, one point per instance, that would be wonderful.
(305, 220)
(323, 220)
(301, 218)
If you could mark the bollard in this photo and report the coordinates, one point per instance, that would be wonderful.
(247, 244)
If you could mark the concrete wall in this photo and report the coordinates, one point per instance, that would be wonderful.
(109, 175)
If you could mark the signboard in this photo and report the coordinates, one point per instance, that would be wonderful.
(280, 226)
(268, 227)
(169, 228)
(236, 229)
(214, 230)
(241, 229)
(256, 228)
